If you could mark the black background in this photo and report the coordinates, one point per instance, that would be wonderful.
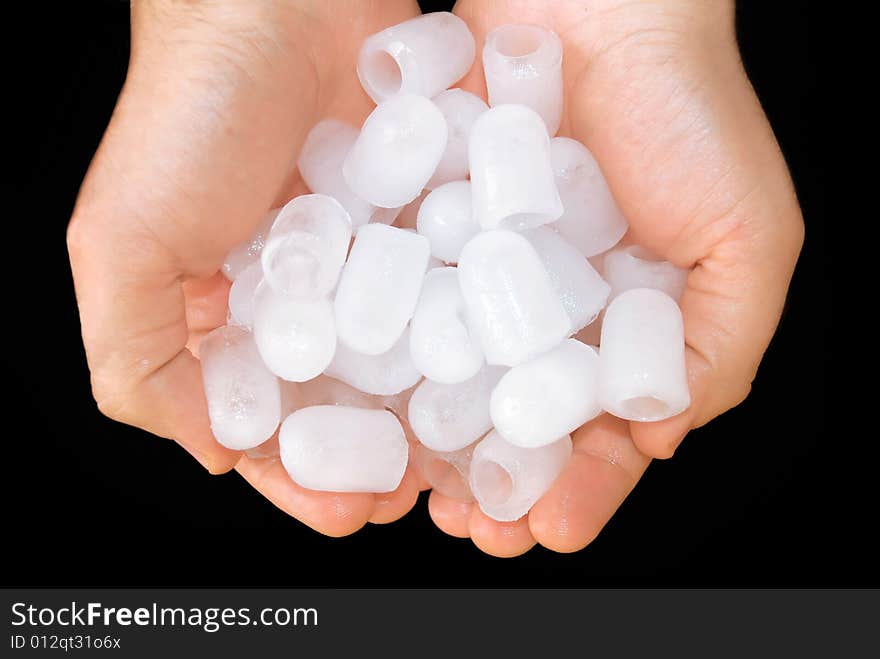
(761, 496)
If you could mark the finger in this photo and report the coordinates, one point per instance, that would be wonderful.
(207, 299)
(501, 539)
(452, 516)
(603, 470)
(331, 513)
(195, 152)
(412, 447)
(391, 506)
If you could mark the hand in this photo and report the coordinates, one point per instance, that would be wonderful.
(203, 141)
(657, 92)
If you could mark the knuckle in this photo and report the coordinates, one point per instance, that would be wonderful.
(740, 394)
(77, 240)
(111, 399)
(731, 397)
(797, 233)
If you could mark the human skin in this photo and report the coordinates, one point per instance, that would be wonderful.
(204, 139)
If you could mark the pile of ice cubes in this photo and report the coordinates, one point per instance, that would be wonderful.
(456, 269)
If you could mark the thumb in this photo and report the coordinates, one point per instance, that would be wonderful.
(196, 151)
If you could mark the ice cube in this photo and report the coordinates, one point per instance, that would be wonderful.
(580, 288)
(244, 399)
(241, 294)
(510, 298)
(442, 344)
(523, 64)
(642, 372)
(592, 221)
(384, 375)
(307, 246)
(296, 338)
(446, 472)
(423, 55)
(552, 395)
(507, 480)
(636, 267)
(446, 220)
(460, 109)
(335, 448)
(324, 390)
(512, 183)
(243, 255)
(320, 165)
(397, 151)
(448, 417)
(379, 287)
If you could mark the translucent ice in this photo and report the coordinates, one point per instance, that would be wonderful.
(290, 402)
(512, 181)
(397, 151)
(344, 449)
(268, 450)
(507, 480)
(636, 267)
(445, 219)
(307, 246)
(241, 256)
(423, 55)
(320, 165)
(592, 222)
(448, 417)
(541, 400)
(384, 375)
(461, 109)
(442, 345)
(642, 374)
(324, 390)
(244, 399)
(523, 64)
(379, 287)
(446, 472)
(296, 338)
(241, 294)
(597, 261)
(511, 302)
(398, 403)
(580, 288)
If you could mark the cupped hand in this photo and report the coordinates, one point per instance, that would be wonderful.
(657, 92)
(204, 139)
(202, 142)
